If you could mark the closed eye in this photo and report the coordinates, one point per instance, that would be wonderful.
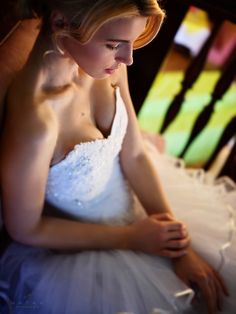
(112, 47)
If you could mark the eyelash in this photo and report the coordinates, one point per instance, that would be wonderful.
(112, 47)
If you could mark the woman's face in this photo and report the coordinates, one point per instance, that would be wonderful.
(111, 45)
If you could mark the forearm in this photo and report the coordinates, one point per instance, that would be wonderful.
(143, 177)
(64, 234)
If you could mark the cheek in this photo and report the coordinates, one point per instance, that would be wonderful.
(99, 56)
(92, 57)
(96, 55)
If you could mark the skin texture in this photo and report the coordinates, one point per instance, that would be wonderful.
(71, 100)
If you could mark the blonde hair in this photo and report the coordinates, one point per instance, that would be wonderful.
(92, 14)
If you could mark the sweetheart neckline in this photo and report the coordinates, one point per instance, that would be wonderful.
(81, 144)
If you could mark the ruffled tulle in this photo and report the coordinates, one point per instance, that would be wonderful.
(44, 281)
(209, 210)
(93, 282)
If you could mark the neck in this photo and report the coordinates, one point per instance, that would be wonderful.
(45, 59)
(55, 69)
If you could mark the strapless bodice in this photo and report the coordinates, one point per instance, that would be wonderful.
(90, 179)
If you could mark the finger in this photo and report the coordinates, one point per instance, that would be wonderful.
(172, 253)
(177, 244)
(219, 294)
(215, 294)
(208, 295)
(171, 226)
(221, 282)
(177, 234)
(220, 289)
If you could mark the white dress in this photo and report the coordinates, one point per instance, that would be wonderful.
(89, 185)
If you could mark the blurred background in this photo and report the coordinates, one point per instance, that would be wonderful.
(183, 84)
(190, 37)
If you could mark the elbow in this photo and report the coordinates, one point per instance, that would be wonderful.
(135, 159)
(21, 234)
(18, 235)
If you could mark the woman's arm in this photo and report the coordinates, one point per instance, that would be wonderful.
(207, 283)
(136, 163)
(139, 170)
(27, 147)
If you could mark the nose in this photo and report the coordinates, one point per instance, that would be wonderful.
(125, 55)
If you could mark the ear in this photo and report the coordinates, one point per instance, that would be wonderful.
(58, 20)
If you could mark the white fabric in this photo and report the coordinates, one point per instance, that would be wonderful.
(89, 185)
(89, 174)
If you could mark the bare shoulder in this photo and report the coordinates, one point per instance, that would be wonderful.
(29, 127)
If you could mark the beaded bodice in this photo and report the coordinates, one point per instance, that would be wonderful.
(88, 184)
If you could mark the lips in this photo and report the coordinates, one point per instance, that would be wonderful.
(111, 70)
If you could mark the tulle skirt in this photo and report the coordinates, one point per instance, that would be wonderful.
(35, 280)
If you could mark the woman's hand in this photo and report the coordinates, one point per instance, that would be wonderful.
(197, 273)
(159, 234)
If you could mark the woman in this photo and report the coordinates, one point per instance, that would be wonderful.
(92, 229)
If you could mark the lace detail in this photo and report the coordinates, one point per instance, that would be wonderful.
(83, 183)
